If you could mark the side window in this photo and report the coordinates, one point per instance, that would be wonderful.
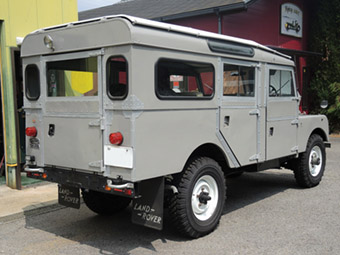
(184, 79)
(117, 79)
(32, 81)
(281, 83)
(238, 81)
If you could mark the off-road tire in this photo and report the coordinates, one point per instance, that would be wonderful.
(303, 172)
(197, 175)
(235, 174)
(104, 204)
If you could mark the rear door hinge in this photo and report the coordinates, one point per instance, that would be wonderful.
(98, 123)
(97, 53)
(96, 164)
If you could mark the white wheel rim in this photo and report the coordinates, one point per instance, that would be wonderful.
(315, 161)
(208, 185)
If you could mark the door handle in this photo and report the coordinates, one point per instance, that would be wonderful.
(226, 120)
(51, 130)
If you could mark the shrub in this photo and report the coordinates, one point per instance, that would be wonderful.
(325, 37)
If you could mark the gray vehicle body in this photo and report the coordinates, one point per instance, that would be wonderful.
(161, 134)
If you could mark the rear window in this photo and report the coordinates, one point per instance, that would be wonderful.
(32, 81)
(117, 79)
(73, 78)
(184, 79)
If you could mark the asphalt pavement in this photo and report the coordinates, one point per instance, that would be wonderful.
(265, 213)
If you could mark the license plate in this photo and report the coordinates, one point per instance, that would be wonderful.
(69, 196)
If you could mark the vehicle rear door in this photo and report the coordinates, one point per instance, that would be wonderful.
(72, 119)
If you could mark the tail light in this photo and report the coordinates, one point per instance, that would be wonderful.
(116, 138)
(31, 131)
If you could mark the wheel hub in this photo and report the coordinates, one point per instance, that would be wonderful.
(204, 197)
(315, 161)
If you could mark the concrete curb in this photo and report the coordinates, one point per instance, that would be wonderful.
(33, 210)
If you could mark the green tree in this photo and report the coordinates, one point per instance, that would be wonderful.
(325, 38)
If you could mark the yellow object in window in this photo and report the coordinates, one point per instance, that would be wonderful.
(81, 82)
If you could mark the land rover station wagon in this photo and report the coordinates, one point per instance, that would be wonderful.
(127, 110)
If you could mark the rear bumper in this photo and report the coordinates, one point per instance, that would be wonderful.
(83, 180)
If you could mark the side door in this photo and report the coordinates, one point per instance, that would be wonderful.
(282, 112)
(240, 111)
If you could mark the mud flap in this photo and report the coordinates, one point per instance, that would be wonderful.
(147, 210)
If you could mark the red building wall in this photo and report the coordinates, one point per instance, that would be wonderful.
(260, 23)
(206, 22)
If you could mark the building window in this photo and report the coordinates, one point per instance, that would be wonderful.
(117, 79)
(238, 81)
(72, 78)
(281, 83)
(32, 80)
(184, 79)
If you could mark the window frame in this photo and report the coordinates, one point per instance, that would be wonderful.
(257, 76)
(71, 59)
(26, 83)
(281, 68)
(107, 78)
(238, 95)
(69, 56)
(162, 97)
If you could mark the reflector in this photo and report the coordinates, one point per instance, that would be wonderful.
(31, 131)
(116, 138)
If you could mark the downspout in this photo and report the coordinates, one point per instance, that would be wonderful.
(219, 20)
(219, 23)
(7, 98)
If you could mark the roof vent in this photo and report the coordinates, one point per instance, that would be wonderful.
(231, 48)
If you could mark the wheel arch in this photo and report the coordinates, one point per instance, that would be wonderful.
(212, 151)
(306, 135)
(321, 133)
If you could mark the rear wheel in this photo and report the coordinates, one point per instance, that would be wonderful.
(235, 174)
(311, 163)
(197, 207)
(104, 204)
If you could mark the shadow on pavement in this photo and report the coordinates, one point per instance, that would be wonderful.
(253, 187)
(117, 235)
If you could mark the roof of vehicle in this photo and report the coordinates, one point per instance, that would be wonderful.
(96, 38)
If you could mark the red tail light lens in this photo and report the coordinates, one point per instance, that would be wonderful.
(31, 131)
(116, 138)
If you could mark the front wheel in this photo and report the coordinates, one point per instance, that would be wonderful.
(197, 207)
(311, 163)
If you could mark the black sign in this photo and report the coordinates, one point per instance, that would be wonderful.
(148, 209)
(69, 196)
